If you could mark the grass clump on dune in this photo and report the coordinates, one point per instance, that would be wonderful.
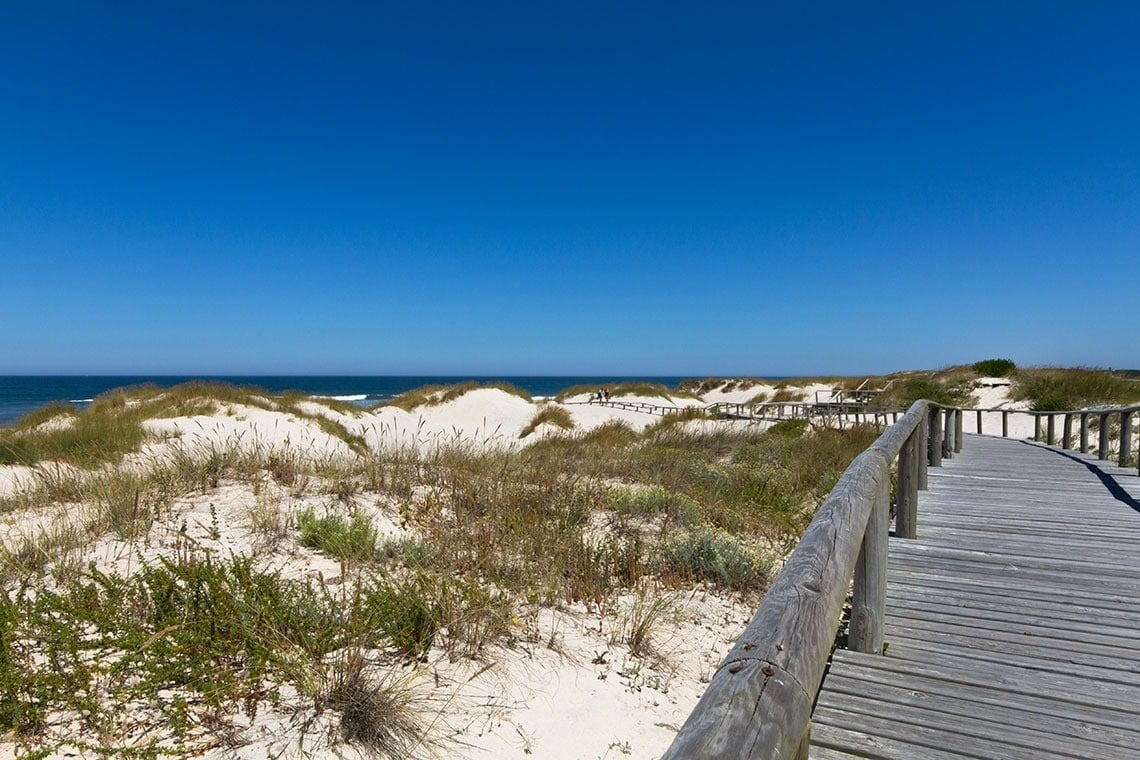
(1056, 389)
(548, 414)
(435, 395)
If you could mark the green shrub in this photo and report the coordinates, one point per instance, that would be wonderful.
(788, 428)
(715, 555)
(347, 539)
(655, 501)
(994, 367)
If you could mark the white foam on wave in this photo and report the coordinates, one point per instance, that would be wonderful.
(81, 401)
(354, 397)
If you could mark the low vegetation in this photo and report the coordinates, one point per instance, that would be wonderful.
(112, 426)
(435, 395)
(1055, 389)
(548, 414)
(994, 367)
(201, 640)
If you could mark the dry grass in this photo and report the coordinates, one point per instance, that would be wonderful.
(485, 533)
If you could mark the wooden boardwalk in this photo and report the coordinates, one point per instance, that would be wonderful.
(1013, 621)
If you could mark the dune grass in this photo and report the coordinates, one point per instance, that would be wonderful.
(1055, 389)
(435, 395)
(112, 426)
(580, 517)
(548, 414)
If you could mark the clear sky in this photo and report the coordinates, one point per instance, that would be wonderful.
(573, 188)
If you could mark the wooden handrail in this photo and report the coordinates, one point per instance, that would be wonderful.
(759, 701)
(1103, 416)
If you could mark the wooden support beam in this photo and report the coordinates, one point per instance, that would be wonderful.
(1125, 438)
(869, 599)
(935, 440)
(1102, 447)
(906, 491)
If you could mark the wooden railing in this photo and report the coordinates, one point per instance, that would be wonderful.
(759, 701)
(785, 410)
(1045, 428)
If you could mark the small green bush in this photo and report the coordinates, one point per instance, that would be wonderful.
(715, 555)
(994, 367)
(347, 539)
(653, 501)
(788, 428)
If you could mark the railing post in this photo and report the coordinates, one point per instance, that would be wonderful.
(935, 441)
(1125, 438)
(869, 600)
(959, 435)
(979, 422)
(1084, 432)
(906, 496)
(1052, 429)
(1005, 424)
(1102, 444)
(1036, 427)
(921, 453)
(1067, 436)
(948, 434)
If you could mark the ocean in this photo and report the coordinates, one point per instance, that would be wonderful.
(20, 394)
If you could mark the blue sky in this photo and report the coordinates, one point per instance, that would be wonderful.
(576, 188)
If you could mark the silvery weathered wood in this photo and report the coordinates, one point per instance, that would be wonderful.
(1013, 621)
(922, 460)
(1004, 424)
(959, 435)
(1102, 449)
(1052, 429)
(869, 599)
(1037, 427)
(1125, 438)
(906, 504)
(948, 434)
(1084, 432)
(935, 438)
(1067, 435)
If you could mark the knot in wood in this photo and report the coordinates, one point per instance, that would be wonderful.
(812, 586)
(768, 670)
(735, 667)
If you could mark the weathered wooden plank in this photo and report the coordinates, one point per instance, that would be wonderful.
(997, 723)
(908, 728)
(903, 643)
(1107, 704)
(858, 743)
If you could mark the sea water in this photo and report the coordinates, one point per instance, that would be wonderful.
(20, 394)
